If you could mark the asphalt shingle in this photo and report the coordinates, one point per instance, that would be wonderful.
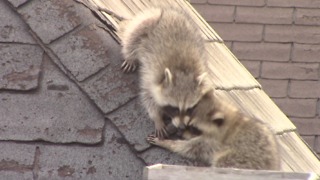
(50, 19)
(16, 161)
(84, 52)
(133, 122)
(57, 112)
(157, 155)
(111, 88)
(17, 3)
(12, 29)
(112, 160)
(19, 66)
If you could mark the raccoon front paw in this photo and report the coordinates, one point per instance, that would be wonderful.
(152, 139)
(161, 133)
(128, 67)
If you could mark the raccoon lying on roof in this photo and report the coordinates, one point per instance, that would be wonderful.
(220, 135)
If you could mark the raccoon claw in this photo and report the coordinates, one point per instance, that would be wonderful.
(128, 67)
(162, 133)
(152, 139)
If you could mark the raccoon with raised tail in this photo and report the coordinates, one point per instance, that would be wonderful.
(170, 51)
(220, 135)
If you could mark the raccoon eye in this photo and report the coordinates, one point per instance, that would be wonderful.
(194, 130)
(217, 117)
(191, 109)
(219, 122)
(171, 111)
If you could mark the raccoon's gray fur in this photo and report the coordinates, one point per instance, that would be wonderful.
(171, 54)
(224, 137)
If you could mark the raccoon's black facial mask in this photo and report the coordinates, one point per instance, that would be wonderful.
(175, 111)
(190, 110)
(193, 130)
(171, 111)
(218, 122)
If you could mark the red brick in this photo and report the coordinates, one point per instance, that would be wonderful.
(275, 88)
(253, 67)
(306, 53)
(307, 16)
(294, 3)
(305, 89)
(198, 1)
(310, 140)
(239, 32)
(262, 51)
(299, 71)
(307, 126)
(216, 13)
(264, 15)
(298, 107)
(239, 2)
(288, 33)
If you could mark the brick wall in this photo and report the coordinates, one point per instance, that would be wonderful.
(279, 43)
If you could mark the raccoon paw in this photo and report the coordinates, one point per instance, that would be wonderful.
(128, 67)
(152, 139)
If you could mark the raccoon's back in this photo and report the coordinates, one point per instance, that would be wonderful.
(174, 41)
(254, 145)
(175, 27)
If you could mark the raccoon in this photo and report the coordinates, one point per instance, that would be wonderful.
(220, 135)
(171, 54)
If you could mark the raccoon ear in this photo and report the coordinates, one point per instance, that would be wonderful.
(218, 118)
(167, 77)
(201, 78)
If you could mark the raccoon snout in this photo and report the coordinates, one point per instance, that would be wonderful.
(176, 121)
(182, 126)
